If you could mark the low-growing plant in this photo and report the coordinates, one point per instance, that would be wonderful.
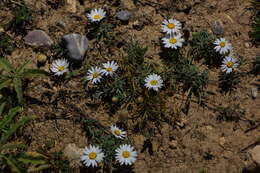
(12, 78)
(6, 44)
(230, 113)
(228, 81)
(256, 65)
(194, 81)
(21, 20)
(256, 29)
(101, 136)
(202, 47)
(171, 57)
(102, 32)
(10, 160)
(256, 22)
(50, 162)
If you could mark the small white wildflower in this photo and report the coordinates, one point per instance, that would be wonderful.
(92, 156)
(109, 68)
(126, 155)
(229, 64)
(171, 26)
(117, 132)
(96, 15)
(173, 42)
(59, 66)
(154, 82)
(94, 74)
(222, 46)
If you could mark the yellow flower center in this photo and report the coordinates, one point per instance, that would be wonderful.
(92, 155)
(173, 40)
(126, 154)
(222, 44)
(117, 132)
(171, 26)
(95, 75)
(97, 16)
(153, 82)
(109, 69)
(230, 64)
(61, 68)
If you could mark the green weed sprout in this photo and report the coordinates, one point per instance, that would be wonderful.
(228, 81)
(6, 44)
(22, 17)
(12, 78)
(101, 136)
(194, 81)
(202, 47)
(8, 128)
(256, 21)
(256, 65)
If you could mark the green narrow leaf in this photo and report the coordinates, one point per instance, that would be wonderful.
(14, 128)
(13, 165)
(39, 168)
(22, 67)
(33, 158)
(35, 72)
(5, 83)
(2, 108)
(10, 146)
(8, 118)
(6, 65)
(18, 89)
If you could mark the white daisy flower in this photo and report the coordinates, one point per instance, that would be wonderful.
(109, 68)
(125, 154)
(96, 15)
(59, 66)
(229, 64)
(171, 26)
(173, 42)
(94, 74)
(117, 132)
(92, 156)
(222, 46)
(153, 81)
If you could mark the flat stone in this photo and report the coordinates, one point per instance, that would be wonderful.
(123, 15)
(77, 46)
(217, 27)
(38, 38)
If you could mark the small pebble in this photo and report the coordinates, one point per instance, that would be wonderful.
(247, 45)
(61, 24)
(254, 92)
(217, 27)
(123, 15)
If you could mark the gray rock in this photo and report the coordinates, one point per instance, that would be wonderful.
(123, 15)
(38, 38)
(61, 24)
(76, 45)
(217, 27)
